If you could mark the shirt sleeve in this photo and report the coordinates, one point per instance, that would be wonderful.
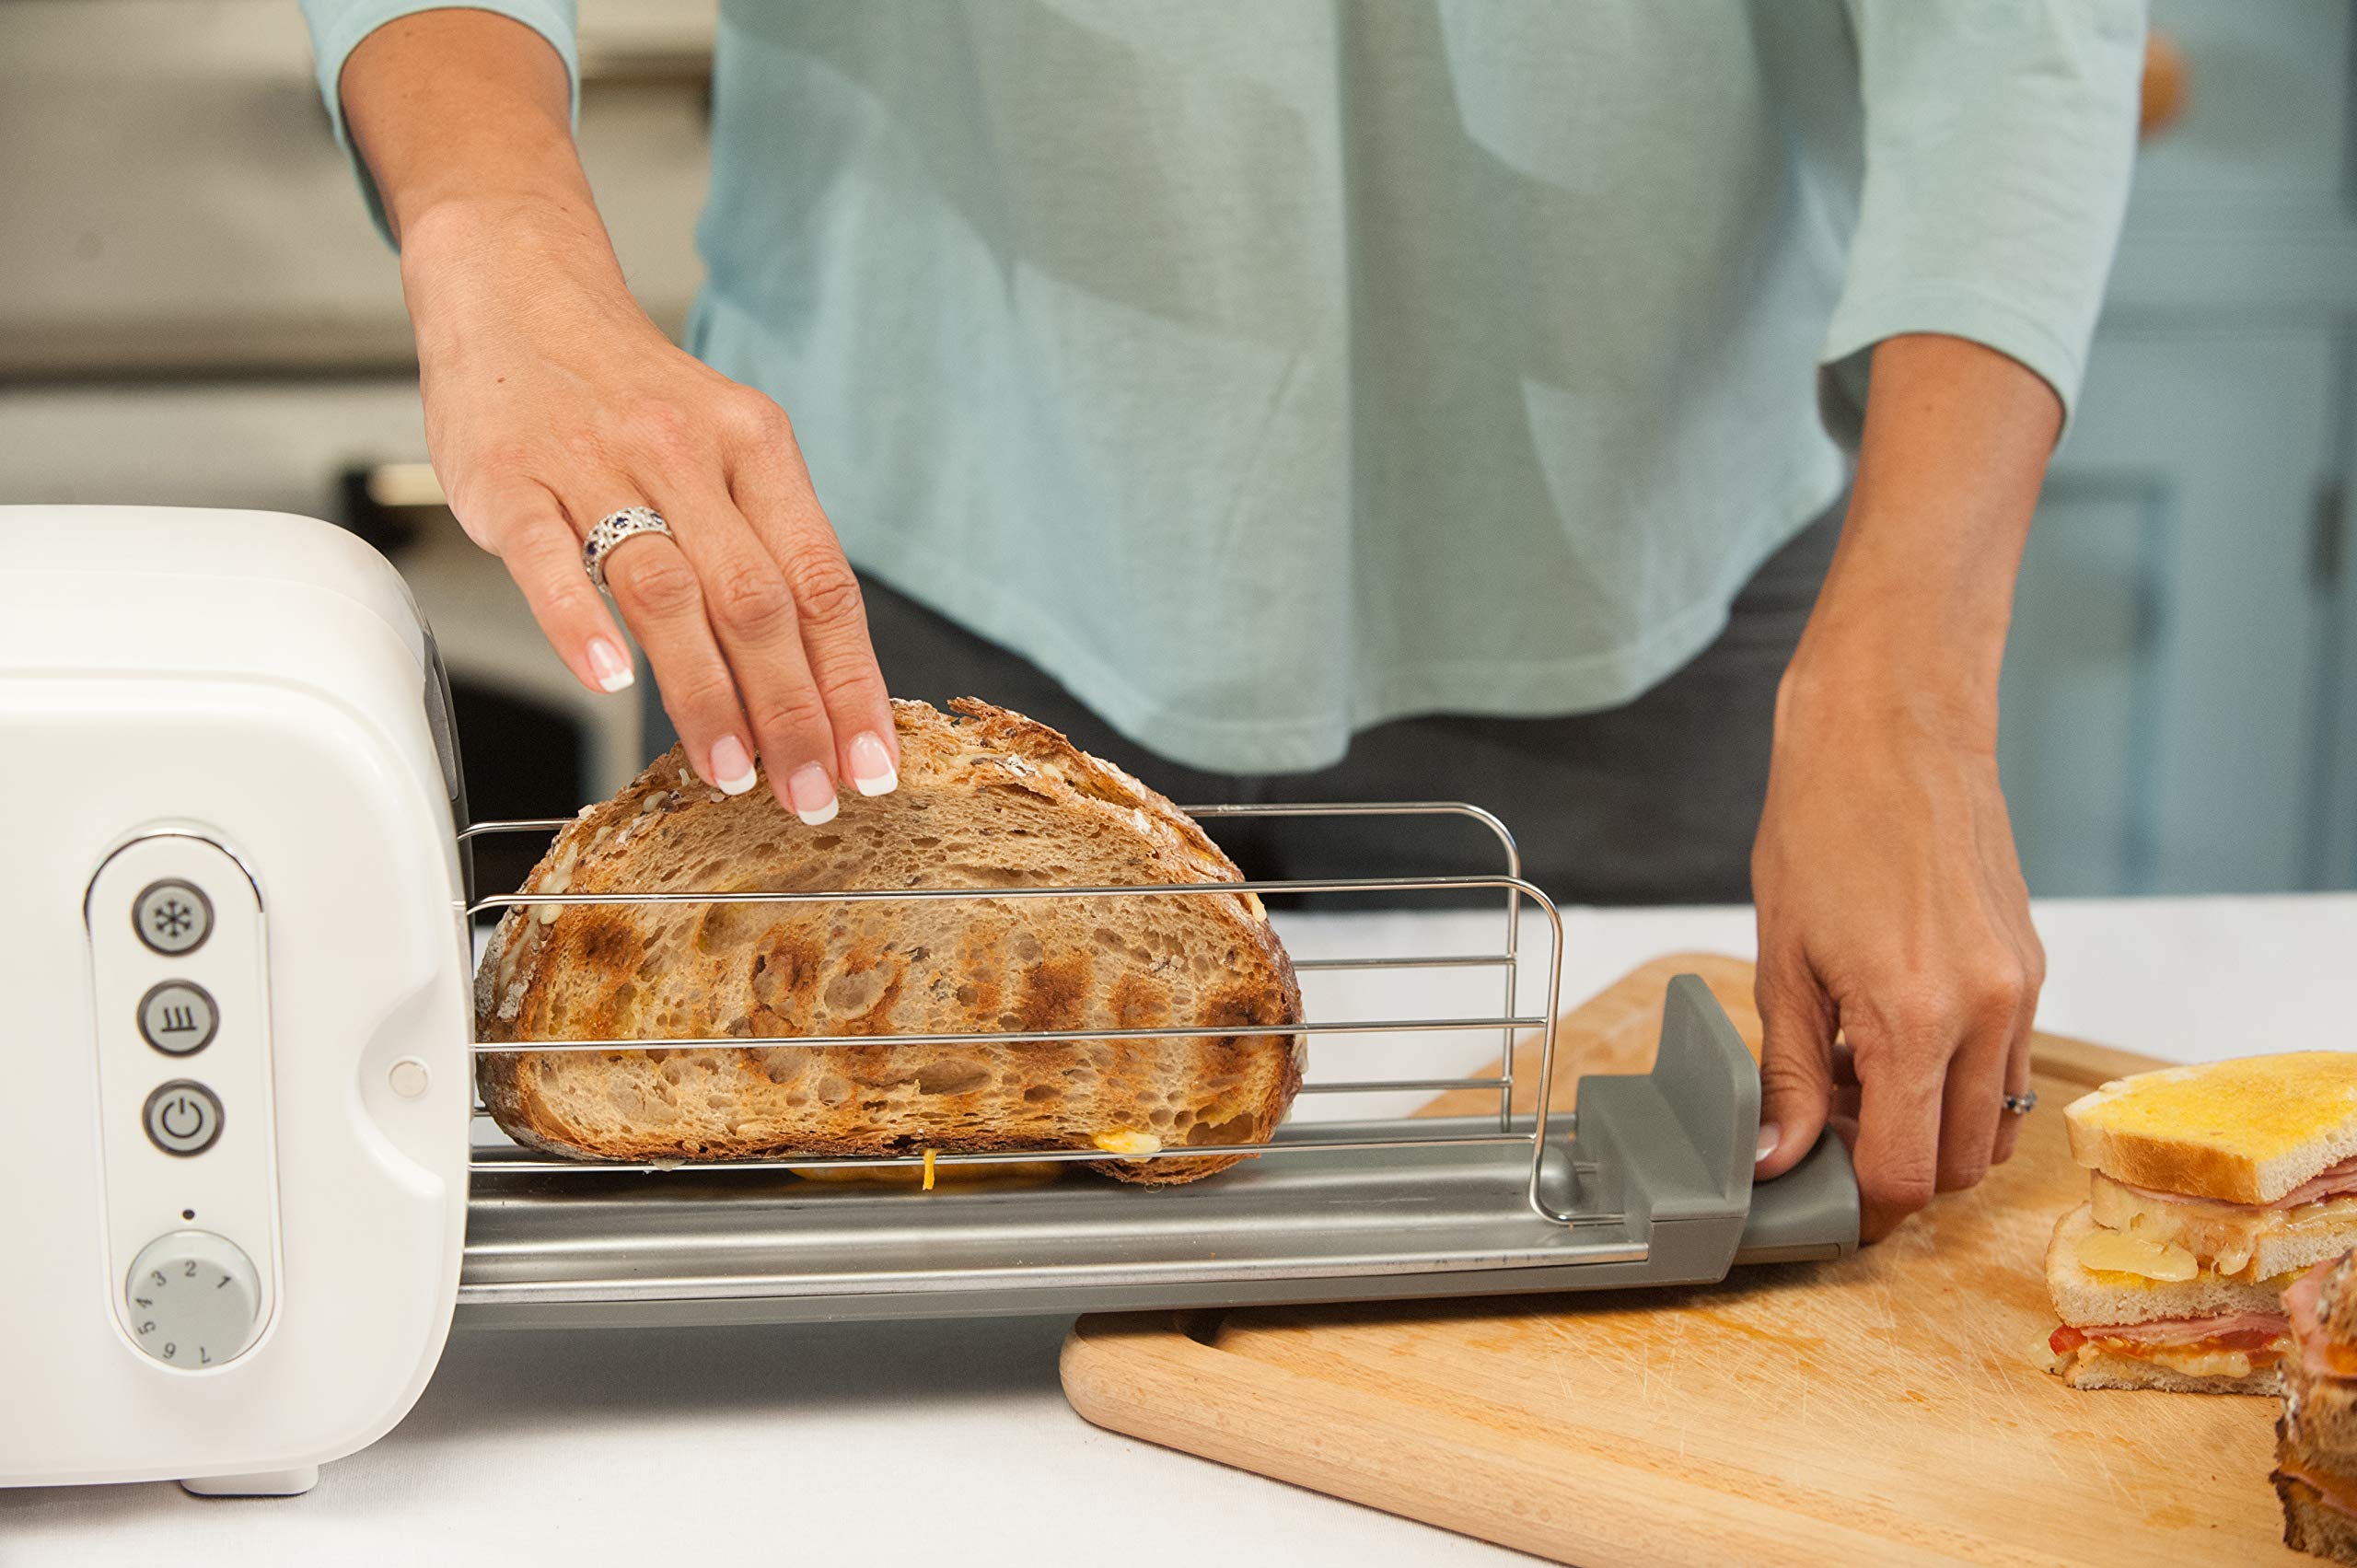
(1999, 138)
(338, 26)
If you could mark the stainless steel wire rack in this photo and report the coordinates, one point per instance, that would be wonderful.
(1397, 1207)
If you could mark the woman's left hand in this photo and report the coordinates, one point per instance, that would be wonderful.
(1893, 914)
(1899, 973)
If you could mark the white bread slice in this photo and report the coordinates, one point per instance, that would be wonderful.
(991, 800)
(2085, 1298)
(2096, 1369)
(2242, 1239)
(2247, 1131)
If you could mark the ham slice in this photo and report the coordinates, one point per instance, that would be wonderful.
(2338, 1181)
(2333, 1492)
(2341, 1179)
(2230, 1330)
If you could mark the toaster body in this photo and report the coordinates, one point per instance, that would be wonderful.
(236, 1172)
(233, 1144)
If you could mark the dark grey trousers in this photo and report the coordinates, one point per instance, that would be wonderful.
(1651, 802)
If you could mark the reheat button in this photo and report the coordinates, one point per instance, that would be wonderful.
(177, 1017)
(182, 1117)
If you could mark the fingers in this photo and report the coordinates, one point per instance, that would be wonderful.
(758, 625)
(656, 590)
(749, 615)
(2009, 1126)
(2017, 1047)
(1970, 1105)
(1896, 1153)
(1796, 1076)
(1996, 999)
(1932, 1070)
(772, 489)
(543, 555)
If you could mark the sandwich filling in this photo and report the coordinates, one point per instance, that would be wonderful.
(2231, 1344)
(2334, 1492)
(2173, 1234)
(2322, 1354)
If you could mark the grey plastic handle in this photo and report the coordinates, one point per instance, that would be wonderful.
(1679, 1143)
(1808, 1213)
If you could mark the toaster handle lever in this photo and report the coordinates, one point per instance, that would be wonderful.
(1808, 1213)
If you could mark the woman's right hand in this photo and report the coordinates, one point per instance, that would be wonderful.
(551, 400)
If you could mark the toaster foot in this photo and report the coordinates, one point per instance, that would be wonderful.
(261, 1483)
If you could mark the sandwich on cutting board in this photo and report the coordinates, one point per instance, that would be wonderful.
(2316, 1450)
(2213, 1187)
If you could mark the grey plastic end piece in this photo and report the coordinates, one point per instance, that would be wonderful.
(1706, 1072)
(1675, 1144)
(1678, 1145)
(1808, 1214)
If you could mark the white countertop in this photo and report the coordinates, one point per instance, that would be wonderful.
(951, 1442)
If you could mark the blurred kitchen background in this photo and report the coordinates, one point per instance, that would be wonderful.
(194, 310)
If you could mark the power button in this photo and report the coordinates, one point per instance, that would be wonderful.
(182, 1117)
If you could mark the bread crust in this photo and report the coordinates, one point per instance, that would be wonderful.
(987, 799)
(2246, 1130)
(2318, 1429)
(2313, 1525)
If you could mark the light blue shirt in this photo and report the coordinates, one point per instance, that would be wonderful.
(1266, 370)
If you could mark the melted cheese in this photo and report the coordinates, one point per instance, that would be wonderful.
(2223, 1236)
(558, 880)
(1128, 1143)
(2120, 1252)
(2195, 1361)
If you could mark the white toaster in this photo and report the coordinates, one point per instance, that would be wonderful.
(244, 1186)
(233, 1142)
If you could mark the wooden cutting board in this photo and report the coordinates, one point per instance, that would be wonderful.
(1889, 1409)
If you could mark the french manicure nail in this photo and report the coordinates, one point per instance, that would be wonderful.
(1770, 1136)
(732, 769)
(871, 765)
(813, 793)
(607, 663)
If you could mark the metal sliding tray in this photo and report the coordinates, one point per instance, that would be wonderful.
(1655, 1185)
(1651, 1184)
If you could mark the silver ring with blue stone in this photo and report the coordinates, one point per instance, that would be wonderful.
(611, 530)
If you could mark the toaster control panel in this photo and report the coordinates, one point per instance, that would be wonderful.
(180, 970)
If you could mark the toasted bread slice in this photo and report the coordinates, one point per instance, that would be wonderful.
(2312, 1523)
(993, 800)
(2094, 1370)
(2088, 1298)
(2247, 1131)
(2337, 1303)
(2318, 1429)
